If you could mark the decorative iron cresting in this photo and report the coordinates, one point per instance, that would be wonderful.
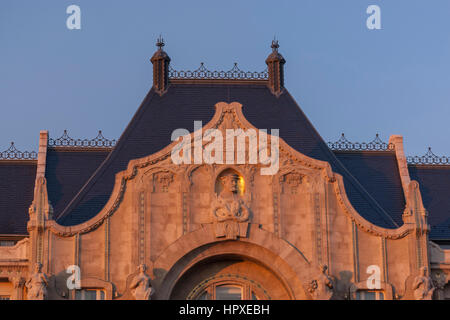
(428, 158)
(203, 73)
(66, 141)
(375, 145)
(13, 154)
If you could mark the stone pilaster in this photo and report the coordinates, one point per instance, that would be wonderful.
(397, 142)
(40, 209)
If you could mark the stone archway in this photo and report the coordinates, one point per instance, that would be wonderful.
(250, 279)
(202, 251)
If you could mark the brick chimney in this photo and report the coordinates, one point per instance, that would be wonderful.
(275, 64)
(160, 61)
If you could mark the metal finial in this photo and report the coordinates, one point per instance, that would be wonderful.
(275, 45)
(160, 42)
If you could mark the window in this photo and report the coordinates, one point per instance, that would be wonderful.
(90, 294)
(6, 289)
(228, 287)
(369, 295)
(7, 243)
(228, 291)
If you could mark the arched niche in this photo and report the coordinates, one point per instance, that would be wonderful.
(229, 173)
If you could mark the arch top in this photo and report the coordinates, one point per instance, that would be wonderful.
(261, 246)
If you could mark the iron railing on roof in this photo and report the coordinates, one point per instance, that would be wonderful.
(375, 145)
(66, 141)
(13, 154)
(203, 73)
(428, 158)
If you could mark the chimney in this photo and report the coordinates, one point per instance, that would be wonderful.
(275, 64)
(160, 61)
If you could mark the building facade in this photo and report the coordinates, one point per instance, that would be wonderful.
(333, 221)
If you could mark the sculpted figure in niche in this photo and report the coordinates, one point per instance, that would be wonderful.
(322, 287)
(423, 286)
(37, 284)
(229, 209)
(140, 285)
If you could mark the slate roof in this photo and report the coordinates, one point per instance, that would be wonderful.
(434, 183)
(67, 170)
(378, 172)
(150, 130)
(16, 194)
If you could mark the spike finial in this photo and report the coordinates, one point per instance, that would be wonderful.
(160, 61)
(275, 45)
(160, 42)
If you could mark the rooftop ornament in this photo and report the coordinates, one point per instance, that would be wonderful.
(203, 73)
(275, 45)
(13, 154)
(428, 158)
(160, 42)
(375, 145)
(66, 141)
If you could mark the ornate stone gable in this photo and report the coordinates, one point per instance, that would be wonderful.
(298, 175)
(157, 203)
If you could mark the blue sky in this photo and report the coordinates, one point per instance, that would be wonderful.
(345, 77)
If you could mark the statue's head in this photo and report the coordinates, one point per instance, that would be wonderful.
(142, 267)
(230, 182)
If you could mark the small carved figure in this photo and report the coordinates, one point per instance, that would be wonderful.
(229, 209)
(423, 286)
(439, 282)
(37, 284)
(228, 204)
(140, 285)
(322, 287)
